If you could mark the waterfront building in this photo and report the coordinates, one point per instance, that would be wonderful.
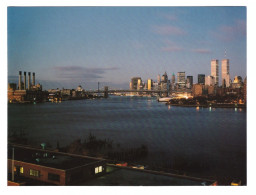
(225, 73)
(197, 90)
(181, 81)
(201, 78)
(79, 88)
(135, 83)
(210, 81)
(23, 94)
(215, 71)
(237, 83)
(150, 84)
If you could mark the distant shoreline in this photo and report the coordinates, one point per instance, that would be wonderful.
(212, 106)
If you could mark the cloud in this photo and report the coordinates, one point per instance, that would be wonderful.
(168, 30)
(170, 46)
(229, 33)
(171, 49)
(79, 72)
(201, 51)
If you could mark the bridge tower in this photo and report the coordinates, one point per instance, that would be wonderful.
(105, 91)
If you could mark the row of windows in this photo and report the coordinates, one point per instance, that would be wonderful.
(98, 169)
(51, 176)
(34, 173)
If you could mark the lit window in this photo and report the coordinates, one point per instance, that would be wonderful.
(100, 169)
(34, 173)
(21, 170)
(96, 170)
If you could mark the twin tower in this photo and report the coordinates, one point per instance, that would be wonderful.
(24, 86)
(224, 72)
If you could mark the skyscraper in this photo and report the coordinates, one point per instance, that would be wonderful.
(215, 71)
(158, 79)
(181, 79)
(209, 81)
(201, 78)
(173, 78)
(225, 73)
(150, 84)
(135, 83)
(164, 78)
(189, 81)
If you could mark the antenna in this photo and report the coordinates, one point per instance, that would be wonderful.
(225, 53)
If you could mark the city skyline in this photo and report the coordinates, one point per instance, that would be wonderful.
(68, 46)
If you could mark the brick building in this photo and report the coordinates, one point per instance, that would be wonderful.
(52, 167)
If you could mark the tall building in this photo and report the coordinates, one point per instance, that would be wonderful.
(201, 79)
(164, 78)
(173, 78)
(215, 71)
(158, 79)
(189, 81)
(209, 81)
(135, 83)
(181, 81)
(150, 84)
(225, 73)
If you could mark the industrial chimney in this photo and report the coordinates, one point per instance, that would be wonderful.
(33, 80)
(25, 82)
(29, 80)
(20, 79)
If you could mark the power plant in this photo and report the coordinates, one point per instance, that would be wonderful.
(26, 91)
(26, 85)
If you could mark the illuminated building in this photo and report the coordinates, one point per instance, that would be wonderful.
(181, 81)
(201, 79)
(135, 83)
(238, 82)
(215, 71)
(210, 81)
(150, 84)
(225, 73)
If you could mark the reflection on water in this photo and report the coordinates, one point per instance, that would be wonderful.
(199, 136)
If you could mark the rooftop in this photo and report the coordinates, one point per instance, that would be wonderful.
(49, 158)
(117, 176)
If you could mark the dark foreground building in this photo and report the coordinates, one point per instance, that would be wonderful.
(49, 167)
(30, 166)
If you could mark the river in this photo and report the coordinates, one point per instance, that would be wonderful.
(212, 141)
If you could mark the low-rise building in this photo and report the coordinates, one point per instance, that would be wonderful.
(52, 167)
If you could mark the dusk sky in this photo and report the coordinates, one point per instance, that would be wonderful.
(71, 46)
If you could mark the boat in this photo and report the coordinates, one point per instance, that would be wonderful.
(164, 99)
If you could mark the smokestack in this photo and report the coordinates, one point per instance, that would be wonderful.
(20, 75)
(25, 82)
(29, 80)
(33, 80)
